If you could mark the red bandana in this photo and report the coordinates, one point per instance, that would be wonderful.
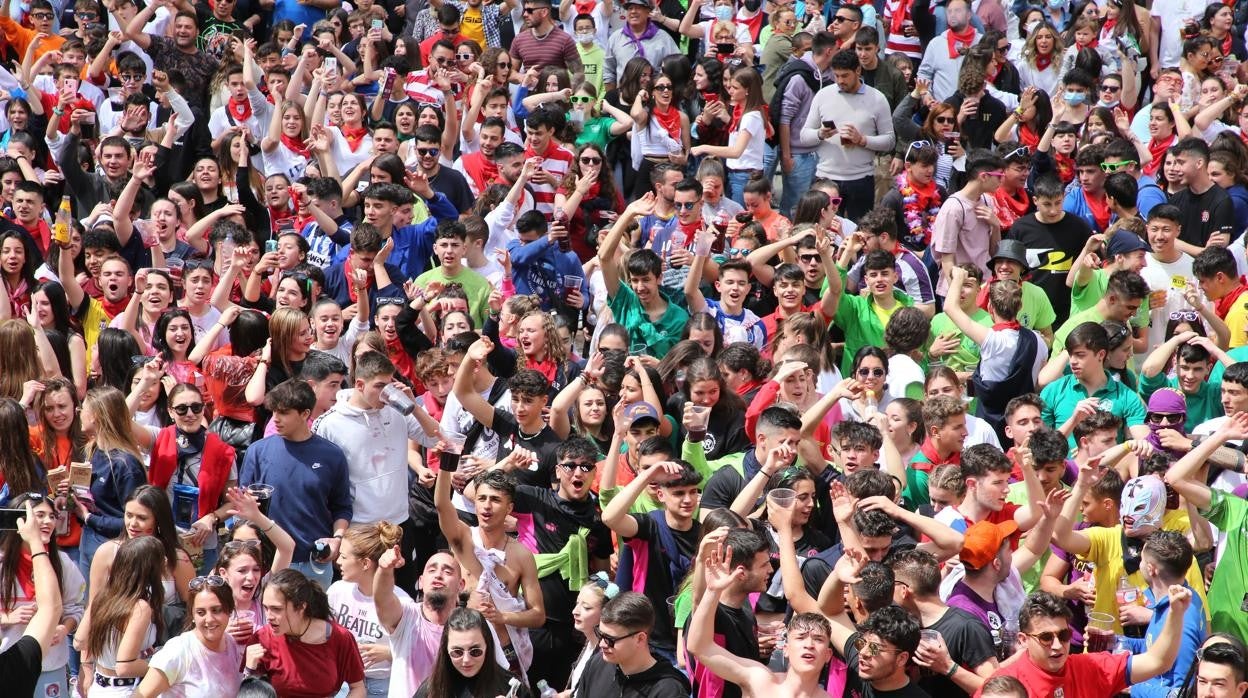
(1158, 151)
(928, 449)
(1027, 136)
(669, 119)
(960, 40)
(1065, 167)
(738, 113)
(114, 308)
(240, 109)
(1043, 61)
(354, 136)
(1011, 325)
(296, 145)
(1010, 208)
(1222, 306)
(26, 573)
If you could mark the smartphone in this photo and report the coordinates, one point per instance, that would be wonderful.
(270, 246)
(725, 49)
(378, 24)
(709, 97)
(829, 123)
(141, 360)
(9, 517)
(331, 64)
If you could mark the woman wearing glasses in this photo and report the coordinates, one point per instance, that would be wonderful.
(259, 548)
(592, 126)
(660, 132)
(18, 598)
(203, 662)
(939, 130)
(589, 196)
(465, 664)
(301, 649)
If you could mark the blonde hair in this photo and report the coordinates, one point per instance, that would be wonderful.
(555, 351)
(284, 328)
(20, 362)
(371, 540)
(112, 422)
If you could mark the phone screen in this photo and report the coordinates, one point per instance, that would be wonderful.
(9, 517)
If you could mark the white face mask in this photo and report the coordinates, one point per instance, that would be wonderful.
(1031, 26)
(723, 13)
(585, 37)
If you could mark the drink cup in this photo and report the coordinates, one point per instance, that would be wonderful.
(697, 426)
(636, 349)
(929, 636)
(571, 283)
(1100, 636)
(147, 233)
(263, 494)
(175, 266)
(782, 497)
(454, 442)
(396, 398)
(702, 245)
(678, 240)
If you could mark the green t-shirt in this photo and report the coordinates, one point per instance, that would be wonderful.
(1037, 311)
(1226, 595)
(1238, 354)
(966, 358)
(1061, 396)
(596, 131)
(475, 286)
(658, 337)
(1083, 298)
(593, 57)
(1206, 404)
(857, 317)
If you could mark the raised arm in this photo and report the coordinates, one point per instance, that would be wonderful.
(457, 533)
(977, 332)
(1165, 648)
(606, 252)
(47, 616)
(467, 395)
(134, 30)
(389, 608)
(750, 675)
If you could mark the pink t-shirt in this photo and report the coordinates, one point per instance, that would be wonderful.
(414, 645)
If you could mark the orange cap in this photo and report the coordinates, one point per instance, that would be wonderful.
(982, 541)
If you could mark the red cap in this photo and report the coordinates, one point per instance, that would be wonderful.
(983, 541)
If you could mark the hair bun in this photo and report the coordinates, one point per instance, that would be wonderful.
(389, 534)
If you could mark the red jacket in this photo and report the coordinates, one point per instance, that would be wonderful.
(214, 466)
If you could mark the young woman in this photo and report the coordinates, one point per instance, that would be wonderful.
(153, 295)
(301, 632)
(351, 597)
(290, 339)
(905, 426)
(537, 347)
(52, 312)
(747, 132)
(1226, 171)
(660, 132)
(1041, 62)
(351, 142)
(206, 176)
(259, 547)
(20, 470)
(1166, 126)
(116, 470)
(465, 665)
(204, 661)
(939, 129)
(18, 261)
(17, 592)
(228, 370)
(327, 325)
(588, 119)
(870, 369)
(123, 619)
(705, 387)
(793, 382)
(172, 340)
(588, 196)
(20, 359)
(1219, 108)
(284, 150)
(1219, 20)
(585, 615)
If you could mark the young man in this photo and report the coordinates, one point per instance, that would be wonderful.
(987, 474)
(626, 664)
(449, 245)
(788, 288)
(1122, 299)
(1053, 240)
(522, 426)
(776, 426)
(735, 322)
(1220, 670)
(515, 596)
(944, 419)
(1009, 263)
(1088, 388)
(374, 437)
(948, 342)
(863, 317)
(310, 475)
(966, 228)
(540, 128)
(413, 244)
(415, 628)
(94, 314)
(1121, 193)
(246, 110)
(807, 649)
(342, 282)
(444, 180)
(637, 442)
(1208, 214)
(1048, 667)
(539, 265)
(878, 231)
(28, 211)
(1087, 198)
(1167, 269)
(663, 180)
(1122, 156)
(663, 543)
(639, 305)
(329, 231)
(1194, 360)
(1217, 272)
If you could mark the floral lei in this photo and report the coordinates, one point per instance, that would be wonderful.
(918, 221)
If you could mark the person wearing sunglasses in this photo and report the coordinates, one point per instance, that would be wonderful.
(39, 15)
(1191, 358)
(967, 223)
(466, 664)
(624, 663)
(205, 659)
(592, 125)
(914, 202)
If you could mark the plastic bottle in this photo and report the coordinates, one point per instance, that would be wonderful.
(64, 215)
(1127, 593)
(545, 691)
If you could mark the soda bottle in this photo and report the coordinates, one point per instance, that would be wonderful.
(64, 215)
(544, 690)
(1127, 593)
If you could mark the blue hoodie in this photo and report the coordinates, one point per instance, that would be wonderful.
(538, 268)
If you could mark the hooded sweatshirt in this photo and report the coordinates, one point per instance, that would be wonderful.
(375, 443)
(659, 681)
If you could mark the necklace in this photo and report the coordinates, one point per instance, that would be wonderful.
(306, 628)
(543, 36)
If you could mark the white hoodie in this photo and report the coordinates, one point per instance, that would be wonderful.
(375, 443)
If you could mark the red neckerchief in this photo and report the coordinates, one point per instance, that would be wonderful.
(1158, 151)
(1043, 61)
(926, 192)
(1222, 306)
(1099, 208)
(1011, 325)
(354, 136)
(400, 358)
(546, 367)
(1065, 167)
(962, 39)
(239, 109)
(26, 573)
(898, 19)
(350, 276)
(482, 170)
(996, 70)
(114, 308)
(745, 388)
(934, 459)
(1010, 208)
(1027, 136)
(754, 24)
(296, 145)
(668, 119)
(1226, 45)
(738, 113)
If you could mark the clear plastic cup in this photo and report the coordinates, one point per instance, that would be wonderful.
(700, 418)
(396, 398)
(454, 442)
(636, 349)
(782, 497)
(571, 283)
(930, 636)
(1099, 635)
(263, 494)
(175, 267)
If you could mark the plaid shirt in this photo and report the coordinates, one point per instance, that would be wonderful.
(491, 17)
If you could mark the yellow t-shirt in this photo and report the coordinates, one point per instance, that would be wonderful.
(1237, 322)
(93, 321)
(1106, 554)
(472, 26)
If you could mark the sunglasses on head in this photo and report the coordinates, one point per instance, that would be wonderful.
(583, 467)
(1021, 151)
(610, 641)
(1185, 315)
(867, 372)
(192, 407)
(214, 581)
(458, 652)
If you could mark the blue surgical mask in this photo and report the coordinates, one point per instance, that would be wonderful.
(800, 10)
(1057, 4)
(1074, 99)
(723, 13)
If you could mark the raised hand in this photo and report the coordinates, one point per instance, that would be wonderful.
(719, 571)
(392, 559)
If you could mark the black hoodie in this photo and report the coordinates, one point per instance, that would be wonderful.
(603, 680)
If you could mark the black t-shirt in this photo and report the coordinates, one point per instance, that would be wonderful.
(659, 583)
(854, 686)
(661, 680)
(551, 522)
(738, 628)
(21, 664)
(1204, 214)
(543, 443)
(808, 546)
(725, 432)
(970, 644)
(453, 185)
(1051, 250)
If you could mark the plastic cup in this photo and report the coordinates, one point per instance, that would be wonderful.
(148, 234)
(175, 266)
(636, 349)
(263, 494)
(396, 398)
(782, 497)
(571, 283)
(701, 416)
(930, 636)
(454, 442)
(1100, 636)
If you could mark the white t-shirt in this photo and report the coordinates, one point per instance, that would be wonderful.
(1172, 14)
(997, 352)
(1173, 278)
(902, 372)
(752, 157)
(204, 322)
(415, 645)
(194, 671)
(283, 160)
(358, 614)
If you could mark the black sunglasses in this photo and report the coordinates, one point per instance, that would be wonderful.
(610, 641)
(583, 467)
(193, 408)
(865, 372)
(474, 652)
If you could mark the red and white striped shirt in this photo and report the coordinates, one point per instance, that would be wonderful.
(556, 161)
(896, 41)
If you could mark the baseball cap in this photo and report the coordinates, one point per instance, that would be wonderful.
(1125, 241)
(982, 541)
(638, 411)
(644, 3)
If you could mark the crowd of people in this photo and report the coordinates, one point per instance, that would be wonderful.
(480, 348)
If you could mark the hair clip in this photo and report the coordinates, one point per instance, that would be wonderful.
(609, 588)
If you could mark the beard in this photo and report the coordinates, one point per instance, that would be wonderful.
(437, 600)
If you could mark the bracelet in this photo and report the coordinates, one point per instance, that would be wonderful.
(35, 555)
(270, 528)
(952, 670)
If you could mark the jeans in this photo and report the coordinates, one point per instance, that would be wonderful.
(89, 543)
(325, 578)
(52, 677)
(798, 181)
(372, 687)
(737, 179)
(857, 196)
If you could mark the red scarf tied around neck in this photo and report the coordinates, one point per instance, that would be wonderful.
(1043, 61)
(26, 573)
(240, 109)
(960, 40)
(738, 113)
(354, 135)
(669, 119)
(1223, 305)
(1158, 151)
(296, 145)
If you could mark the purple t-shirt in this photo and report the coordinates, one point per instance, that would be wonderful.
(967, 599)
